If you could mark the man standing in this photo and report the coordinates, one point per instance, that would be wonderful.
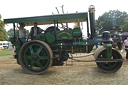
(35, 30)
(22, 33)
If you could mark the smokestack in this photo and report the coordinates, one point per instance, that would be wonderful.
(92, 20)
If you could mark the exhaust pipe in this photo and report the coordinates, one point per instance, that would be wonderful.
(92, 20)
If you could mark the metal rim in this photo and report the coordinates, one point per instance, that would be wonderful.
(35, 57)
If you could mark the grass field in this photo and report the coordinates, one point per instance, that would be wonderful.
(6, 52)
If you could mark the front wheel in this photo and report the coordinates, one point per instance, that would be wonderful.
(35, 57)
(108, 67)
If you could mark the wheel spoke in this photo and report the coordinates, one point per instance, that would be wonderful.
(26, 50)
(27, 57)
(39, 64)
(26, 60)
(39, 50)
(43, 57)
(31, 50)
(32, 63)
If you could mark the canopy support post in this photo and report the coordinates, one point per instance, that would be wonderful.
(14, 31)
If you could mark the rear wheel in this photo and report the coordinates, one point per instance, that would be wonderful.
(35, 57)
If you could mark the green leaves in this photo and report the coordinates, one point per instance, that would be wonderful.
(10, 33)
(112, 18)
(124, 27)
(3, 33)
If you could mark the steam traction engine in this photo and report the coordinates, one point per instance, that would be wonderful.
(52, 47)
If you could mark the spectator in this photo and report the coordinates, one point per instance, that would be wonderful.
(125, 46)
(14, 53)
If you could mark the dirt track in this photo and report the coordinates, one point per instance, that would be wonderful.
(81, 73)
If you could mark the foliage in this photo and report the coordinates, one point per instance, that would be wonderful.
(11, 33)
(3, 34)
(112, 18)
(124, 27)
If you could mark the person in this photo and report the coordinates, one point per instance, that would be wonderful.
(125, 46)
(35, 30)
(22, 33)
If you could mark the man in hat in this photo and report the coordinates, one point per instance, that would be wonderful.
(35, 30)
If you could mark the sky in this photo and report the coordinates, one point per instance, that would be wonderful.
(29, 8)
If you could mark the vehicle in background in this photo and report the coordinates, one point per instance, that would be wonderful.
(4, 44)
(115, 35)
(124, 35)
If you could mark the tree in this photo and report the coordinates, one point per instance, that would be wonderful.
(124, 27)
(11, 33)
(112, 18)
(3, 34)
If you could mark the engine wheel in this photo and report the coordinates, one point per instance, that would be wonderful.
(35, 57)
(108, 67)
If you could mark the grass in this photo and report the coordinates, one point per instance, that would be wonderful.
(6, 52)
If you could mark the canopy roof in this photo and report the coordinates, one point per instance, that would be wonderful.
(49, 19)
